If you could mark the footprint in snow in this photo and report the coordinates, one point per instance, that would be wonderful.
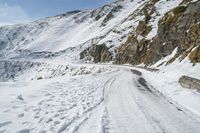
(20, 115)
(19, 97)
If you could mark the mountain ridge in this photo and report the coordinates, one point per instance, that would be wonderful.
(112, 32)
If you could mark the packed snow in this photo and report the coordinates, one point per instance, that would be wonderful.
(52, 105)
(96, 98)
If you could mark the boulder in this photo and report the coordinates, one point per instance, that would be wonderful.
(189, 82)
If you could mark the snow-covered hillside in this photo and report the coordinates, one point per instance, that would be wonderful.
(73, 29)
(50, 84)
(77, 30)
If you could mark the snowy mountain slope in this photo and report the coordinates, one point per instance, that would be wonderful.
(78, 30)
(63, 31)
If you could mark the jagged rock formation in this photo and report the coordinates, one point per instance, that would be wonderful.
(178, 28)
(194, 56)
(100, 53)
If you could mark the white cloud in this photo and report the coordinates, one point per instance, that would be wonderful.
(12, 14)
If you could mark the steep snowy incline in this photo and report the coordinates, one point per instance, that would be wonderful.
(66, 30)
(73, 32)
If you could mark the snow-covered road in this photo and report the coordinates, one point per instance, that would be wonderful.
(116, 100)
(131, 106)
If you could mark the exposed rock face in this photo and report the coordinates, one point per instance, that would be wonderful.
(132, 51)
(110, 15)
(178, 28)
(195, 55)
(100, 53)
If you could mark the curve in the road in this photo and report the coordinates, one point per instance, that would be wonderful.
(131, 106)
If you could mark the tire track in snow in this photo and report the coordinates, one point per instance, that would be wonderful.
(99, 122)
(106, 123)
(123, 111)
(133, 106)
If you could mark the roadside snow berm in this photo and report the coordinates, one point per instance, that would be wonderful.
(189, 82)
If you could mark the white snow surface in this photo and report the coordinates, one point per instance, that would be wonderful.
(97, 98)
(45, 88)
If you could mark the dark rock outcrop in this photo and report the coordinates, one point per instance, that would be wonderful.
(195, 55)
(132, 51)
(99, 53)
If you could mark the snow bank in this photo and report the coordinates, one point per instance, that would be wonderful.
(165, 80)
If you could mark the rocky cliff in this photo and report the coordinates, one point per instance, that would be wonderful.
(179, 28)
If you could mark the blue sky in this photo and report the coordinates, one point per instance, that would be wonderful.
(14, 11)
